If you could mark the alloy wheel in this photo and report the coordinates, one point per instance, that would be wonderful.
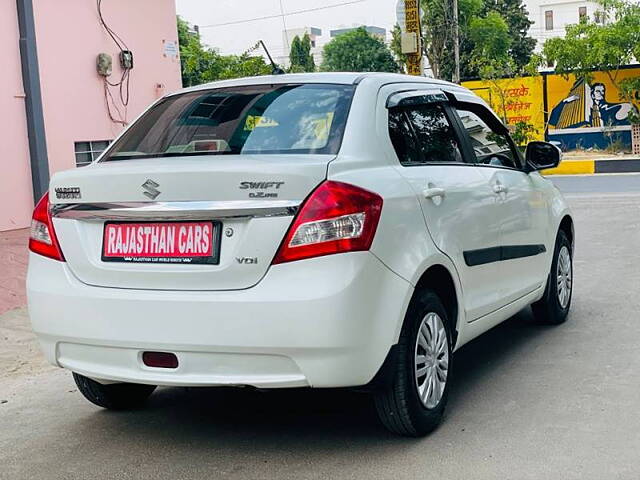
(431, 360)
(564, 276)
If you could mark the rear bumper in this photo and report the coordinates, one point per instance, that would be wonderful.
(324, 322)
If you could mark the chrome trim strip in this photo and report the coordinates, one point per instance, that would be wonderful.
(175, 210)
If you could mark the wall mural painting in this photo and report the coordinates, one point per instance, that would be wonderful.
(579, 114)
(588, 114)
(518, 100)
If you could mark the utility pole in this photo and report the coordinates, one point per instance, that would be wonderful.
(408, 12)
(456, 42)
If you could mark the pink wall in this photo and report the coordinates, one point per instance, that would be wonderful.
(15, 177)
(69, 38)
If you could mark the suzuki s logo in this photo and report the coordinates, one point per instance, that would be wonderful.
(151, 189)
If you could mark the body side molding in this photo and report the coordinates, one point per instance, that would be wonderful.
(483, 256)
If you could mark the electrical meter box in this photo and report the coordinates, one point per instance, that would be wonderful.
(126, 59)
(104, 64)
(409, 42)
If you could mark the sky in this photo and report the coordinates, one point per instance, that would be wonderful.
(235, 39)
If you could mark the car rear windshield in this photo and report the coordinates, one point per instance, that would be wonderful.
(265, 119)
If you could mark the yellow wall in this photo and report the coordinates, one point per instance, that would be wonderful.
(516, 99)
(574, 119)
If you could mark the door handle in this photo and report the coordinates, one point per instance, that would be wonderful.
(433, 192)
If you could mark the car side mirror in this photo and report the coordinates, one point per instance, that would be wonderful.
(542, 155)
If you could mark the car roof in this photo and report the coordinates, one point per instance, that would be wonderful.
(342, 78)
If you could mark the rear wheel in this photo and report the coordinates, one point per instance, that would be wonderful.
(553, 307)
(116, 396)
(413, 404)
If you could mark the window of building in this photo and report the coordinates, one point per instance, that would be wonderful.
(582, 14)
(598, 17)
(548, 20)
(423, 134)
(87, 152)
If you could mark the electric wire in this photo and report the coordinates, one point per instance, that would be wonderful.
(124, 84)
(295, 12)
(114, 36)
(107, 96)
(284, 26)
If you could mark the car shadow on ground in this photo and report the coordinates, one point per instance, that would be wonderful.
(285, 418)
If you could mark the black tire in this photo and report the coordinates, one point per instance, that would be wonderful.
(399, 406)
(548, 310)
(116, 396)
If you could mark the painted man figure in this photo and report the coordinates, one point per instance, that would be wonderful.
(597, 111)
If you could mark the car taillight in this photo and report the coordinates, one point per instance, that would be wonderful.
(43, 239)
(335, 218)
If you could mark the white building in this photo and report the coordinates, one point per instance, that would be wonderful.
(550, 17)
(288, 36)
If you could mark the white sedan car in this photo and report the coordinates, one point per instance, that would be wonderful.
(315, 230)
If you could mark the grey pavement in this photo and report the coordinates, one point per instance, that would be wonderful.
(13, 268)
(527, 401)
(598, 184)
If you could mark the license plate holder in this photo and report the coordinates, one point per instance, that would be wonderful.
(167, 242)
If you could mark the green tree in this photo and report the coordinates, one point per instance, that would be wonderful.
(200, 64)
(492, 58)
(309, 63)
(238, 66)
(489, 56)
(300, 57)
(437, 33)
(590, 46)
(517, 19)
(295, 54)
(491, 39)
(357, 51)
(396, 47)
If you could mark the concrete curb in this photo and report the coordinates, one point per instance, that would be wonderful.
(573, 167)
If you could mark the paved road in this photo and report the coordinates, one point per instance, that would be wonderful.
(602, 183)
(528, 402)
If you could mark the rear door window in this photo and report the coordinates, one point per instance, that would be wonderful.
(403, 138)
(265, 119)
(423, 134)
